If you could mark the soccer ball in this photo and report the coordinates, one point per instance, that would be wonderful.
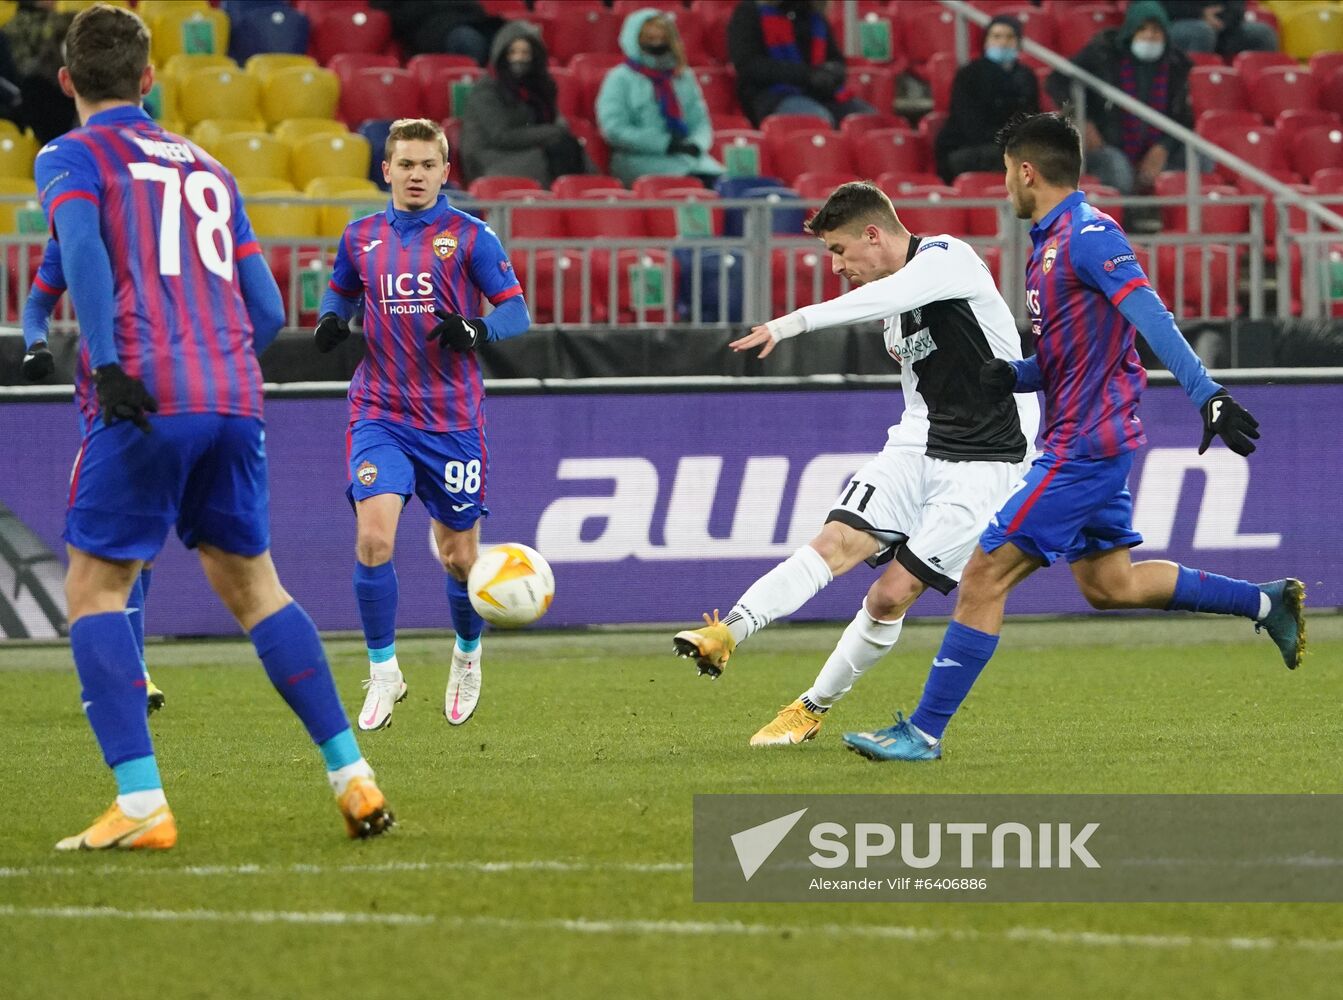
(511, 585)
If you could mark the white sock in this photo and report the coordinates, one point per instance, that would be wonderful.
(138, 805)
(778, 593)
(385, 670)
(865, 641)
(1265, 606)
(340, 777)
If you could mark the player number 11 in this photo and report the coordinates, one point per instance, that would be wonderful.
(217, 258)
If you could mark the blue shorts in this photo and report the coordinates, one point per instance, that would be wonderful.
(445, 469)
(203, 472)
(1074, 508)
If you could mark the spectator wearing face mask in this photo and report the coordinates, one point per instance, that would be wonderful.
(1121, 149)
(650, 109)
(985, 94)
(510, 125)
(788, 62)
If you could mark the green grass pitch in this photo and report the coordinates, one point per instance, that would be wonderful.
(543, 849)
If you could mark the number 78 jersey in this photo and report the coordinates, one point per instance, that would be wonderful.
(174, 228)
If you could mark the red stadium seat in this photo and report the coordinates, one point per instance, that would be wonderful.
(1331, 93)
(1179, 279)
(927, 32)
(1037, 23)
(886, 150)
(931, 124)
(346, 64)
(569, 94)
(1206, 59)
(875, 85)
(1250, 64)
(653, 185)
(1279, 88)
(530, 217)
(1075, 25)
(719, 87)
(379, 93)
(1210, 87)
(627, 266)
(1294, 121)
(801, 275)
(1107, 200)
(691, 30)
(775, 127)
(817, 185)
(494, 188)
(550, 8)
(941, 72)
(713, 16)
(342, 29)
(590, 30)
(937, 211)
(1041, 75)
(582, 185)
(1323, 65)
(589, 70)
(742, 137)
(897, 182)
(1316, 148)
(1328, 181)
(1270, 215)
(1229, 116)
(1213, 218)
(446, 91)
(593, 144)
(452, 131)
(854, 127)
(605, 219)
(721, 121)
(663, 222)
(1257, 146)
(426, 65)
(563, 268)
(807, 149)
(982, 184)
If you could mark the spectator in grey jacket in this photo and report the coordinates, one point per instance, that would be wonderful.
(511, 124)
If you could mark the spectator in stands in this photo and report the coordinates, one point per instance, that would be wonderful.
(650, 109)
(459, 27)
(787, 61)
(984, 95)
(1121, 149)
(1200, 26)
(35, 35)
(511, 125)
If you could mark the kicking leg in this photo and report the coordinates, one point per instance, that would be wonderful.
(375, 589)
(457, 551)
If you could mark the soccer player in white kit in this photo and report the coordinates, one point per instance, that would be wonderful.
(919, 506)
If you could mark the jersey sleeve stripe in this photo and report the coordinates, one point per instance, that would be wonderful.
(505, 295)
(67, 196)
(349, 293)
(248, 249)
(1129, 286)
(48, 289)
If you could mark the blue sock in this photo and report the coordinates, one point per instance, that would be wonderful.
(375, 589)
(340, 751)
(138, 775)
(465, 622)
(146, 577)
(135, 614)
(295, 663)
(963, 655)
(113, 686)
(1196, 590)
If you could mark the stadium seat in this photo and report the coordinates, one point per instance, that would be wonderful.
(552, 281)
(928, 31)
(291, 130)
(446, 92)
(375, 130)
(937, 211)
(529, 216)
(581, 185)
(786, 212)
(855, 126)
(425, 65)
(752, 138)
(720, 294)
(1075, 25)
(1279, 88)
(300, 92)
(206, 134)
(776, 125)
(379, 93)
(941, 72)
(493, 188)
(1243, 117)
(252, 154)
(1331, 92)
(627, 269)
(724, 120)
(713, 16)
(284, 217)
(691, 30)
(10, 210)
(605, 219)
(1179, 279)
(549, 8)
(665, 223)
(330, 156)
(1308, 28)
(897, 183)
(800, 276)
(253, 187)
(818, 185)
(736, 187)
(1257, 146)
(814, 150)
(719, 87)
(263, 64)
(589, 70)
(591, 30)
(1316, 148)
(346, 64)
(183, 64)
(1328, 181)
(875, 85)
(1270, 216)
(275, 30)
(1206, 59)
(1037, 23)
(1324, 64)
(237, 9)
(981, 184)
(182, 28)
(157, 8)
(1211, 87)
(452, 131)
(334, 218)
(593, 144)
(1250, 64)
(1213, 217)
(569, 94)
(894, 149)
(931, 124)
(218, 93)
(341, 29)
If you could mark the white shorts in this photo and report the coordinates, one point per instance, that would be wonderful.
(928, 513)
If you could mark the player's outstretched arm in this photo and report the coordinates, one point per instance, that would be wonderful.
(48, 284)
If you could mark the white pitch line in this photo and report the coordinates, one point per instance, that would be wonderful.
(482, 867)
(685, 928)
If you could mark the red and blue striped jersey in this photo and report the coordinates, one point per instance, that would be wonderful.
(407, 265)
(50, 276)
(174, 227)
(1081, 268)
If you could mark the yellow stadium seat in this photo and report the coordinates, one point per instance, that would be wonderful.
(75, 6)
(164, 105)
(263, 64)
(184, 64)
(1310, 29)
(16, 155)
(252, 154)
(182, 28)
(154, 8)
(208, 133)
(358, 198)
(8, 8)
(251, 187)
(329, 156)
(25, 202)
(280, 216)
(7, 127)
(174, 125)
(218, 93)
(300, 92)
(291, 130)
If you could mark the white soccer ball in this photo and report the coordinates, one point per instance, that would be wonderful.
(511, 585)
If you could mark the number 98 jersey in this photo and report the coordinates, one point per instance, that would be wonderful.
(174, 228)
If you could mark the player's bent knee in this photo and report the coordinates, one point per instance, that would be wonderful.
(889, 598)
(248, 585)
(373, 548)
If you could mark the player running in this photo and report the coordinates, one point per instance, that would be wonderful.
(921, 503)
(174, 302)
(417, 413)
(1086, 295)
(48, 285)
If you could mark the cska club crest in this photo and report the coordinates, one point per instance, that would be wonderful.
(1051, 252)
(445, 245)
(367, 473)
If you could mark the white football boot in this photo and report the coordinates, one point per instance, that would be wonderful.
(463, 693)
(385, 689)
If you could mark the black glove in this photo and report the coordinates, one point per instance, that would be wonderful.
(997, 378)
(123, 397)
(680, 144)
(331, 330)
(458, 332)
(1225, 418)
(38, 362)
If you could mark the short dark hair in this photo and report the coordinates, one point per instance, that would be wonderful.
(1049, 142)
(855, 203)
(106, 52)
